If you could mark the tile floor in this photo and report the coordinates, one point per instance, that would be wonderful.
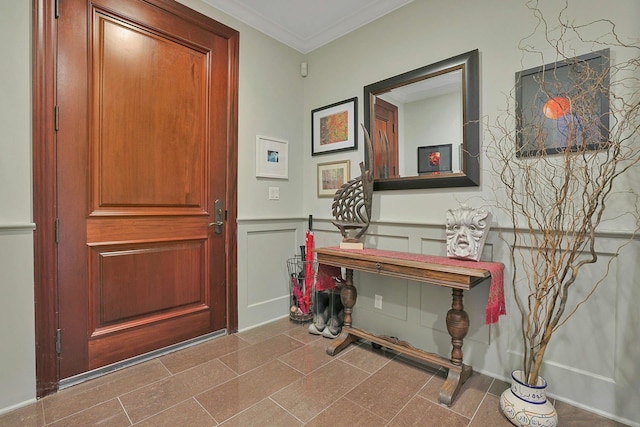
(276, 375)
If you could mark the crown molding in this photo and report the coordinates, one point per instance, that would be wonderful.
(269, 20)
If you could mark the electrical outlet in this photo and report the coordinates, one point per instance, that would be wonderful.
(274, 193)
(378, 302)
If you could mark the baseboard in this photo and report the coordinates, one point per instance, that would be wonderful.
(17, 406)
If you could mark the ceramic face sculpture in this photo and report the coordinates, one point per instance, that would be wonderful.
(467, 230)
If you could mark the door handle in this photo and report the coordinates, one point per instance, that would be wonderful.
(218, 223)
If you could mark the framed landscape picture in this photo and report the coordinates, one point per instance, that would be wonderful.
(331, 176)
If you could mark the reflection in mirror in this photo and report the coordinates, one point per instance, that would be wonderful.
(430, 115)
(424, 126)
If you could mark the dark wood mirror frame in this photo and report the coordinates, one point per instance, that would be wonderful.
(470, 174)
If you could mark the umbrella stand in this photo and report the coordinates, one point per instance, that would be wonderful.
(302, 275)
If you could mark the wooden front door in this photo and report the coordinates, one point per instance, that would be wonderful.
(146, 94)
(386, 152)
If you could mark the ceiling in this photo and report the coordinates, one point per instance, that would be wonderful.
(306, 25)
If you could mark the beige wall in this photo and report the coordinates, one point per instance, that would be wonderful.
(17, 335)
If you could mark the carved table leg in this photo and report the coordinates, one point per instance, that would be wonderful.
(458, 326)
(348, 296)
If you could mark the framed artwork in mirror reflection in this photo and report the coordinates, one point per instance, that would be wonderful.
(434, 159)
(333, 127)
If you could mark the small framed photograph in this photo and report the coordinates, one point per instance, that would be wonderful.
(333, 128)
(563, 105)
(272, 158)
(434, 159)
(331, 176)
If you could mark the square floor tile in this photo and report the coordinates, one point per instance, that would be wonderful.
(249, 358)
(310, 395)
(161, 395)
(387, 391)
(232, 397)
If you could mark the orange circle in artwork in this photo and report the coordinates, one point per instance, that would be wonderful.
(556, 107)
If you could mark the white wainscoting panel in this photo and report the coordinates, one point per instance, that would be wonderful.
(17, 357)
(270, 278)
(263, 249)
(394, 293)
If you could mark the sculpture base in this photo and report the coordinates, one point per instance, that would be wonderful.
(351, 245)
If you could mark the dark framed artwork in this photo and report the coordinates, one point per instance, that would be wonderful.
(434, 159)
(563, 105)
(333, 127)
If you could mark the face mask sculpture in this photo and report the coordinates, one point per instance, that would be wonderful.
(467, 230)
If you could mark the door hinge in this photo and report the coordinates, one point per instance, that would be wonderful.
(58, 341)
(56, 9)
(56, 226)
(56, 118)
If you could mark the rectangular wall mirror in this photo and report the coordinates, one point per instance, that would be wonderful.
(432, 106)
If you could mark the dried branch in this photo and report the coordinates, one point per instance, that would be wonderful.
(557, 198)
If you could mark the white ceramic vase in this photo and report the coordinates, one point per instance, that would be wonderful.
(526, 405)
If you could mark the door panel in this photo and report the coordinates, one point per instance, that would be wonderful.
(143, 148)
(150, 119)
(134, 282)
(386, 155)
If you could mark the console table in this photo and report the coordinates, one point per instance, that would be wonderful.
(409, 266)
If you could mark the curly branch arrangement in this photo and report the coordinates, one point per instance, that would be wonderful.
(556, 197)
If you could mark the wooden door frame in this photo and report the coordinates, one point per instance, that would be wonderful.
(44, 181)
